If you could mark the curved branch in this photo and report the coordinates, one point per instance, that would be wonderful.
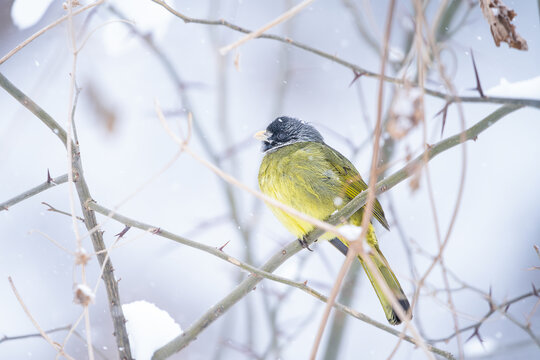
(356, 68)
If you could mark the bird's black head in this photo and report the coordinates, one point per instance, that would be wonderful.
(285, 131)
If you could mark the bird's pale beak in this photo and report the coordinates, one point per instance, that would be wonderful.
(261, 135)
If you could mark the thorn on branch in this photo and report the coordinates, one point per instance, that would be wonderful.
(507, 307)
(49, 178)
(492, 306)
(478, 85)
(305, 283)
(155, 230)
(123, 232)
(444, 112)
(357, 75)
(223, 246)
(476, 333)
(535, 291)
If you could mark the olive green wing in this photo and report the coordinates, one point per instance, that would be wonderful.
(353, 182)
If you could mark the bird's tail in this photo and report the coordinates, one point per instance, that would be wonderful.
(385, 273)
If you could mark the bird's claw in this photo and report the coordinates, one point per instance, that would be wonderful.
(304, 243)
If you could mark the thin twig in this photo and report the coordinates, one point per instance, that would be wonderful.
(283, 17)
(38, 334)
(53, 209)
(43, 334)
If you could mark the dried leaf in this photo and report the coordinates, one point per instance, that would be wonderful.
(500, 19)
(83, 295)
(81, 257)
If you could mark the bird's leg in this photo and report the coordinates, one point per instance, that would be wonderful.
(304, 243)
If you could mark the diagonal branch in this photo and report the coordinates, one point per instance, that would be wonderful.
(356, 68)
(256, 272)
(33, 191)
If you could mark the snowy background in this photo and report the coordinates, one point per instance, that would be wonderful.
(123, 145)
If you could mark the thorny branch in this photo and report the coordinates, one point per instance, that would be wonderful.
(355, 68)
(493, 309)
(111, 284)
(49, 183)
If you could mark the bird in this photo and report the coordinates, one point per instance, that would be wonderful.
(300, 170)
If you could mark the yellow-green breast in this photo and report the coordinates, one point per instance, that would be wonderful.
(313, 178)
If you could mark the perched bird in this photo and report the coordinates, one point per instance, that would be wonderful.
(301, 171)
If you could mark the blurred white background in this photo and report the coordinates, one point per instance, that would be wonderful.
(123, 145)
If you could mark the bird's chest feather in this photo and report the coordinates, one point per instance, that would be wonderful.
(299, 179)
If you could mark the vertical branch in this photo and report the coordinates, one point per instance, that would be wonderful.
(339, 321)
(69, 153)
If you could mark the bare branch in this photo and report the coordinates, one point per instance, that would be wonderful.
(358, 69)
(493, 309)
(38, 334)
(53, 209)
(83, 192)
